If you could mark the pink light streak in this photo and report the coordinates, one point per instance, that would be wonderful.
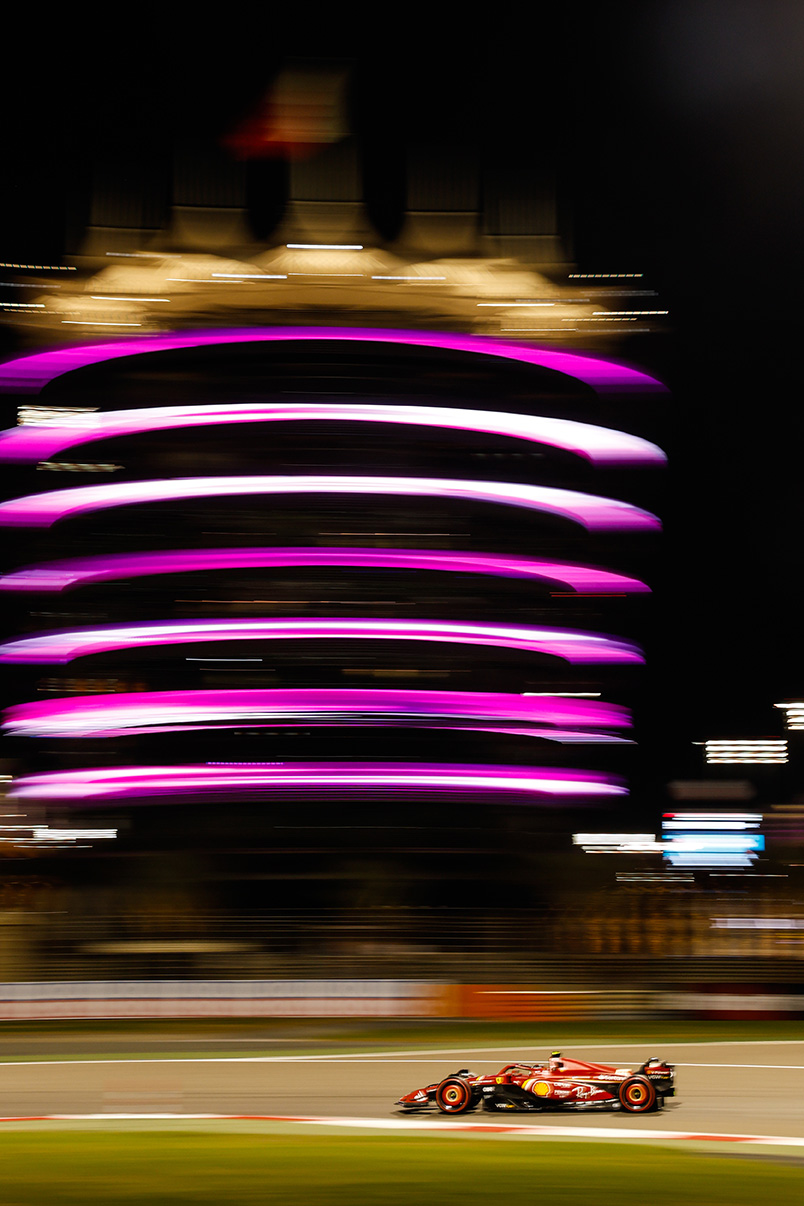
(601, 445)
(161, 711)
(572, 645)
(79, 571)
(590, 510)
(91, 785)
(29, 374)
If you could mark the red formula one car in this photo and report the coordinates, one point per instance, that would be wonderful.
(559, 1084)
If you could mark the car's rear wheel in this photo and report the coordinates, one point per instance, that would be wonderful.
(454, 1096)
(637, 1095)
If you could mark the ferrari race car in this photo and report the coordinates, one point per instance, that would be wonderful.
(559, 1084)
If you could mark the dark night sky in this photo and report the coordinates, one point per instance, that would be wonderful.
(679, 132)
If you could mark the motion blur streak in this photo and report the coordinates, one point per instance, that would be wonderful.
(560, 736)
(590, 510)
(77, 571)
(133, 782)
(29, 374)
(572, 645)
(85, 715)
(597, 444)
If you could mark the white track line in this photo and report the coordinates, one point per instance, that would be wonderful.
(435, 1125)
(407, 1056)
(775, 1067)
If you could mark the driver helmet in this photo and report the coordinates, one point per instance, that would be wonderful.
(555, 1062)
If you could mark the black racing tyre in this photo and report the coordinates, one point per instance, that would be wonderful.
(454, 1096)
(637, 1095)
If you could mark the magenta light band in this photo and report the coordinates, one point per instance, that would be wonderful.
(601, 445)
(89, 786)
(590, 510)
(79, 571)
(29, 374)
(559, 736)
(571, 645)
(113, 715)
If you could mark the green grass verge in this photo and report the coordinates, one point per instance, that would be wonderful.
(182, 1167)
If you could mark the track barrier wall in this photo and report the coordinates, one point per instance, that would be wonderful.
(371, 999)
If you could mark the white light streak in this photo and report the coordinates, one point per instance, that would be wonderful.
(617, 843)
(765, 750)
(51, 414)
(794, 714)
(716, 816)
(692, 859)
(25, 835)
(85, 322)
(324, 246)
(116, 297)
(710, 825)
(757, 923)
(721, 842)
(746, 759)
(79, 466)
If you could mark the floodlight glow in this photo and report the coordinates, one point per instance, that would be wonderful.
(601, 445)
(572, 645)
(93, 715)
(590, 510)
(32, 372)
(78, 571)
(381, 778)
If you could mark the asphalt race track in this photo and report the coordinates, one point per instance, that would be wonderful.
(736, 1088)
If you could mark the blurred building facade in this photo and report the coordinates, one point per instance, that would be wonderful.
(347, 885)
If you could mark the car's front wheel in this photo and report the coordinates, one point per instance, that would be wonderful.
(637, 1095)
(454, 1096)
